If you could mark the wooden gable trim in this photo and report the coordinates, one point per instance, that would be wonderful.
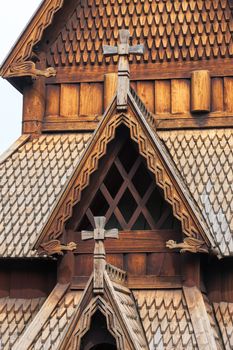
(32, 34)
(155, 162)
(108, 305)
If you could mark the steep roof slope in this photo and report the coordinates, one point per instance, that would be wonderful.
(205, 161)
(31, 181)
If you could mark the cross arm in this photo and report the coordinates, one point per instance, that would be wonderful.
(87, 235)
(110, 50)
(136, 50)
(113, 233)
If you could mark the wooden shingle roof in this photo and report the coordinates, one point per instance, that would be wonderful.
(31, 180)
(204, 158)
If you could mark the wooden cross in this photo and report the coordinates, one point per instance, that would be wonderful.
(99, 234)
(123, 50)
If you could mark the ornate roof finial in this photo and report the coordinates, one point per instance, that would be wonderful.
(123, 50)
(99, 234)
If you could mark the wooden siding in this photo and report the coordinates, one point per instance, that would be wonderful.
(81, 105)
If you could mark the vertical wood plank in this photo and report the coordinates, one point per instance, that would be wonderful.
(155, 263)
(162, 96)
(91, 99)
(116, 260)
(228, 94)
(200, 91)
(83, 264)
(69, 100)
(110, 86)
(217, 95)
(180, 93)
(136, 264)
(145, 90)
(53, 100)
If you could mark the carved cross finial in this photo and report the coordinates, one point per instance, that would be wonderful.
(123, 50)
(99, 234)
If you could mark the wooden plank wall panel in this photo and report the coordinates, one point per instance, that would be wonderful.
(136, 264)
(83, 264)
(217, 95)
(180, 96)
(91, 98)
(228, 93)
(116, 260)
(145, 90)
(52, 100)
(162, 96)
(69, 100)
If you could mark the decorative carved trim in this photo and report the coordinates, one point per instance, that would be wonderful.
(23, 50)
(190, 244)
(28, 68)
(154, 162)
(55, 247)
(84, 324)
(115, 274)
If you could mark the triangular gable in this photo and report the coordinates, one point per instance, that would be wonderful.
(158, 161)
(32, 33)
(118, 306)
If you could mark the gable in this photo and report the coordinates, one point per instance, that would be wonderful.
(166, 175)
(124, 191)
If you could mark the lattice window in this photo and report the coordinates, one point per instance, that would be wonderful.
(124, 191)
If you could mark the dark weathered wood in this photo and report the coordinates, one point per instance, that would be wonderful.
(136, 264)
(132, 241)
(138, 282)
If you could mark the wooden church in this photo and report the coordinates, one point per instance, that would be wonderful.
(116, 203)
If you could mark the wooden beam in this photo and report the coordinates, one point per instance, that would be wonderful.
(26, 340)
(137, 282)
(200, 320)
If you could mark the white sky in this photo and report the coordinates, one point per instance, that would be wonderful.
(14, 15)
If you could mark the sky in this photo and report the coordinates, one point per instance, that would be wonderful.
(14, 16)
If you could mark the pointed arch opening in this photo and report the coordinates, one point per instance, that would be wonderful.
(98, 337)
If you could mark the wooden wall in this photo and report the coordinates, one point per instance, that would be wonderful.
(27, 279)
(143, 254)
(167, 99)
(219, 279)
(73, 100)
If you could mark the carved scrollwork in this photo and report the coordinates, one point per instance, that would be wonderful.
(28, 68)
(54, 247)
(190, 244)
